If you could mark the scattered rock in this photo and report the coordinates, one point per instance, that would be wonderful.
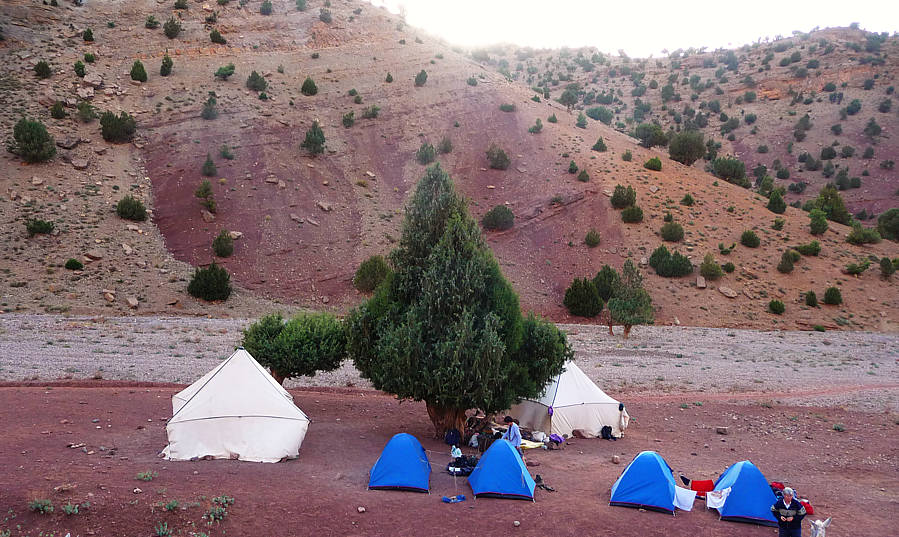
(208, 217)
(80, 163)
(644, 261)
(313, 222)
(92, 79)
(272, 180)
(532, 463)
(749, 294)
(370, 174)
(360, 509)
(135, 82)
(653, 189)
(616, 459)
(127, 249)
(132, 302)
(235, 234)
(132, 227)
(728, 292)
(516, 523)
(37, 181)
(721, 430)
(85, 93)
(700, 282)
(137, 491)
(93, 255)
(296, 218)
(324, 205)
(109, 297)
(67, 143)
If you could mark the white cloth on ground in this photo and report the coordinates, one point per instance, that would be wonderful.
(684, 498)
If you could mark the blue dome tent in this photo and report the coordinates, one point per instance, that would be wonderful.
(502, 474)
(750, 498)
(646, 483)
(403, 465)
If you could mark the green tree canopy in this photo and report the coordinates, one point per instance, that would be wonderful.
(445, 328)
(687, 147)
(630, 303)
(831, 202)
(300, 347)
(650, 134)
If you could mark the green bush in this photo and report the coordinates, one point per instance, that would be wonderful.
(89, 57)
(811, 248)
(43, 507)
(324, 15)
(131, 208)
(117, 129)
(710, 269)
(223, 244)
(632, 215)
(209, 169)
(426, 154)
(592, 238)
(862, 235)
(582, 298)
(833, 296)
(79, 68)
(36, 226)
(86, 112)
(672, 232)
(627, 156)
(749, 239)
(349, 119)
(210, 283)
(315, 139)
(818, 222)
(32, 142)
(210, 108)
(728, 267)
(732, 170)
(581, 121)
(886, 267)
(42, 69)
(224, 72)
(650, 134)
(623, 197)
(371, 112)
(888, 224)
(204, 192)
(421, 78)
(669, 265)
(776, 307)
(87, 35)
(266, 7)
(309, 88)
(857, 268)
(572, 167)
(389, 78)
(499, 218)
(151, 23)
(74, 264)
(600, 145)
(165, 69)
(786, 263)
(811, 299)
(171, 28)
(445, 146)
(58, 110)
(507, 107)
(256, 82)
(583, 176)
(138, 72)
(687, 200)
(497, 158)
(600, 113)
(687, 147)
(653, 164)
(371, 273)
(552, 119)
(216, 37)
(606, 281)
(180, 4)
(776, 203)
(537, 127)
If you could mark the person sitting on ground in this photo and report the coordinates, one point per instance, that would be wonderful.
(513, 433)
(789, 514)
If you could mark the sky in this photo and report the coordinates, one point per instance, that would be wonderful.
(640, 28)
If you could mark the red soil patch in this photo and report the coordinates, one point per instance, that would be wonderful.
(848, 476)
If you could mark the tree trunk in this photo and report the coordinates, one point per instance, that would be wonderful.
(278, 377)
(627, 331)
(446, 418)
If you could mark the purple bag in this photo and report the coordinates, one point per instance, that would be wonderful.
(556, 438)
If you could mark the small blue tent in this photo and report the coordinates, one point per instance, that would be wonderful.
(501, 474)
(750, 497)
(646, 483)
(403, 465)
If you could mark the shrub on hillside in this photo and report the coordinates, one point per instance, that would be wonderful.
(710, 269)
(627, 156)
(87, 35)
(818, 222)
(600, 146)
(266, 7)
(216, 37)
(426, 154)
(830, 201)
(887, 268)
(349, 119)
(371, 112)
(58, 110)
(42, 69)
(210, 108)
(74, 264)
(315, 139)
(86, 112)
(732, 170)
(445, 146)
(888, 224)
(151, 23)
(371, 273)
(583, 176)
(32, 142)
(572, 167)
(632, 214)
(749, 239)
(592, 238)
(497, 158)
(537, 127)
(210, 283)
(833, 296)
(776, 203)
(687, 200)
(256, 82)
(223, 244)
(654, 164)
(421, 78)
(208, 168)
(650, 134)
(776, 307)
(36, 226)
(499, 218)
(224, 72)
(811, 248)
(672, 232)
(117, 128)
(171, 28)
(324, 15)
(623, 197)
(668, 264)
(131, 208)
(785, 265)
(582, 298)
(309, 88)
(606, 282)
(687, 147)
(811, 299)
(862, 235)
(138, 72)
(79, 68)
(165, 69)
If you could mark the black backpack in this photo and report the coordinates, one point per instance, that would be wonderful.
(453, 437)
(606, 432)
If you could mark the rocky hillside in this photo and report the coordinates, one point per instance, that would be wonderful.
(305, 222)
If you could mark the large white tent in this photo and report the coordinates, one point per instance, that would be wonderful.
(572, 401)
(235, 411)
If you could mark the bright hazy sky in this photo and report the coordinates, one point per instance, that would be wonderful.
(639, 27)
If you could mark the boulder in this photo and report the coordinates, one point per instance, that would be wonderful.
(93, 255)
(721, 430)
(235, 234)
(93, 80)
(616, 459)
(132, 302)
(324, 205)
(80, 163)
(296, 218)
(67, 143)
(85, 93)
(208, 217)
(700, 282)
(728, 292)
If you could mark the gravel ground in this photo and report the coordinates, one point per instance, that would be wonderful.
(857, 369)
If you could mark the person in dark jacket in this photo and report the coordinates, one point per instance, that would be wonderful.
(789, 514)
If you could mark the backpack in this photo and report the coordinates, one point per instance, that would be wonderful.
(606, 432)
(453, 437)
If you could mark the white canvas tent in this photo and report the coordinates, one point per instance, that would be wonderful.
(571, 401)
(236, 411)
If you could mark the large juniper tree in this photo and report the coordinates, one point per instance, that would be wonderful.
(630, 303)
(445, 327)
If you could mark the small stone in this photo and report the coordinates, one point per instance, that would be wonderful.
(85, 93)
(93, 255)
(490, 187)
(37, 181)
(137, 491)
(324, 205)
(135, 82)
(616, 459)
(360, 509)
(370, 174)
(67, 143)
(653, 189)
(296, 218)
(728, 292)
(109, 297)
(235, 235)
(516, 523)
(93, 80)
(132, 302)
(80, 163)
(700, 282)
(721, 430)
(208, 217)
(272, 180)
(127, 249)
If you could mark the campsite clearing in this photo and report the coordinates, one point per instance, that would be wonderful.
(847, 475)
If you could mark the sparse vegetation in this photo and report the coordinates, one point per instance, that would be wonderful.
(833, 296)
(421, 78)
(710, 269)
(776, 307)
(672, 232)
(623, 197)
(668, 264)
(32, 142)
(371, 273)
(499, 218)
(315, 139)
(653, 164)
(223, 244)
(497, 158)
(592, 239)
(426, 154)
(309, 88)
(256, 82)
(36, 226)
(225, 71)
(632, 215)
(210, 283)
(582, 299)
(138, 72)
(687, 147)
(165, 68)
(749, 239)
(209, 169)
(131, 208)
(171, 28)
(42, 69)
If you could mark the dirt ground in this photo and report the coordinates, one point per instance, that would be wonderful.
(851, 476)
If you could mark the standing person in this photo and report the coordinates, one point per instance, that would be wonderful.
(513, 433)
(789, 514)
